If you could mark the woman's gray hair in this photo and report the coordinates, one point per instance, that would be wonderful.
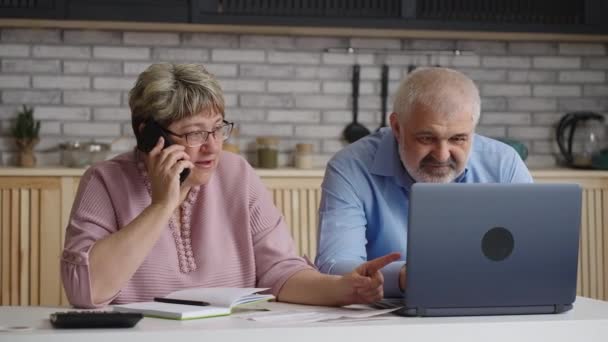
(442, 90)
(167, 92)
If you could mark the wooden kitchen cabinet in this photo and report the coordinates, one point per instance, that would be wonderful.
(35, 206)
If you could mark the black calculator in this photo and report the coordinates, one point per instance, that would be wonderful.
(94, 319)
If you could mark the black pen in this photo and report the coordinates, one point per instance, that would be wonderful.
(180, 301)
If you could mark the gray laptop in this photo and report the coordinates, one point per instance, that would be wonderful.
(491, 249)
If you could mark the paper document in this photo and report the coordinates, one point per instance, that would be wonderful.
(292, 313)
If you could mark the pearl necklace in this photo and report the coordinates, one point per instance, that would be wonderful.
(183, 242)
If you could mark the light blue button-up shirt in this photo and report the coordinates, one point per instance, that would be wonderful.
(365, 200)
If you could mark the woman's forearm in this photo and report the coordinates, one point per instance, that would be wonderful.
(114, 259)
(313, 288)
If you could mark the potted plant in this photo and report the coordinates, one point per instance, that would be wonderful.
(25, 132)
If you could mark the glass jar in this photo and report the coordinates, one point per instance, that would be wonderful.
(303, 156)
(268, 152)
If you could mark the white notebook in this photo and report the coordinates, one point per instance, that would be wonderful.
(221, 302)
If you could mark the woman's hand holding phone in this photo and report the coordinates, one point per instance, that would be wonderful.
(164, 168)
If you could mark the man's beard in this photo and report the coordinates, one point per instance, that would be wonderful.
(426, 171)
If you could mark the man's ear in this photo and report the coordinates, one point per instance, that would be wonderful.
(394, 122)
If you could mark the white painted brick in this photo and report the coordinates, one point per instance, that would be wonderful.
(321, 101)
(112, 114)
(505, 118)
(573, 104)
(540, 161)
(30, 66)
(323, 73)
(61, 82)
(582, 76)
(135, 68)
(14, 82)
(532, 76)
(62, 113)
(269, 101)
(91, 37)
(283, 57)
(596, 63)
(294, 86)
(222, 70)
(557, 62)
(9, 111)
(240, 114)
(375, 73)
(114, 83)
(596, 90)
(124, 98)
(91, 97)
(533, 48)
(240, 55)
(333, 146)
(485, 74)
(525, 104)
(376, 43)
(483, 47)
(580, 49)
(492, 131)
(525, 132)
(556, 90)
(456, 61)
(277, 130)
(506, 62)
(151, 38)
(63, 51)
(31, 96)
(401, 59)
(211, 40)
(345, 87)
(267, 42)
(314, 131)
(320, 161)
(505, 90)
(429, 44)
(321, 43)
(346, 116)
(91, 67)
(128, 53)
(371, 102)
(266, 71)
(93, 129)
(230, 100)
(293, 116)
(14, 50)
(243, 85)
(50, 128)
(127, 130)
(347, 58)
(493, 104)
(544, 147)
(546, 119)
(31, 36)
(180, 54)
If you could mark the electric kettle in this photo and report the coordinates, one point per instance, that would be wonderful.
(580, 138)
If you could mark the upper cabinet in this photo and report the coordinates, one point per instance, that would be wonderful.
(564, 16)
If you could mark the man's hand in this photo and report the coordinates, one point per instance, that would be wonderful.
(365, 284)
(402, 278)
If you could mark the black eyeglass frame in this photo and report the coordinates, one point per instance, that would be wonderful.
(205, 133)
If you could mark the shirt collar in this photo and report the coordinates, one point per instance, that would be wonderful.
(387, 161)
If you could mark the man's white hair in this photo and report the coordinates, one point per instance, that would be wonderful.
(441, 90)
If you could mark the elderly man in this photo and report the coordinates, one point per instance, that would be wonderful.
(365, 199)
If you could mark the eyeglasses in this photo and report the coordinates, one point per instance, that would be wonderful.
(195, 139)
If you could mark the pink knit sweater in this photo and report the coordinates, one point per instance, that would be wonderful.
(238, 237)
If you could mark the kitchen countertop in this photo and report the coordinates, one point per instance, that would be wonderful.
(44, 171)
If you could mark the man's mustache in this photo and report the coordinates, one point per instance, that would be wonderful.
(431, 161)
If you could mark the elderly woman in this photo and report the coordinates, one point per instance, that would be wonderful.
(137, 232)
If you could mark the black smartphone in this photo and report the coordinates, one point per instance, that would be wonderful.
(150, 134)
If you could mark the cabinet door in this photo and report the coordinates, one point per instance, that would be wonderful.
(31, 241)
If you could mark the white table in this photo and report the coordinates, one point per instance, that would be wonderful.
(588, 321)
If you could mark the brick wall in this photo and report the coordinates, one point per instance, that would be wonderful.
(286, 86)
